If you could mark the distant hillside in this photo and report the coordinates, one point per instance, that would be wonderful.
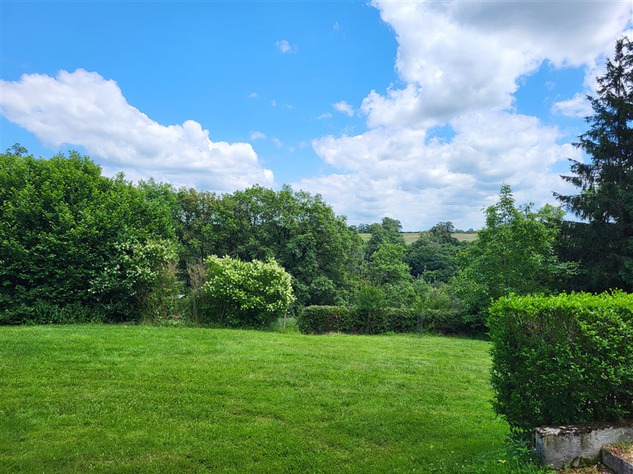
(465, 236)
(410, 237)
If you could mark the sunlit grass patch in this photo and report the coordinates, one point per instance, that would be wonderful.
(116, 398)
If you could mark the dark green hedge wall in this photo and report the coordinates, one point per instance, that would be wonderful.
(324, 319)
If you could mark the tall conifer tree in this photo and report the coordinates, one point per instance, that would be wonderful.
(604, 245)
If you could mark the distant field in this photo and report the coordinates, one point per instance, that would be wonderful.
(151, 399)
(465, 237)
(410, 237)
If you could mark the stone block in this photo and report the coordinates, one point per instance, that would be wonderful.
(616, 463)
(561, 446)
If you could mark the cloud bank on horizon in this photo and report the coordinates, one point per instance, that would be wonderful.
(460, 64)
(436, 145)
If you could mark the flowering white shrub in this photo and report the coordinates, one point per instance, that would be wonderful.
(247, 294)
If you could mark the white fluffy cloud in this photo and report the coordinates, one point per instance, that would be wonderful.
(403, 174)
(458, 57)
(344, 108)
(577, 106)
(459, 65)
(83, 109)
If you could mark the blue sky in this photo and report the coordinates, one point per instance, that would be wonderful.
(418, 111)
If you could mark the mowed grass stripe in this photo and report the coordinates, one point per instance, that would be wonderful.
(151, 399)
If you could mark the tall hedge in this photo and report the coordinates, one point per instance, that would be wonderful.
(563, 359)
(66, 233)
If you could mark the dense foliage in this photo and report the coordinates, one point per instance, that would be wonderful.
(359, 320)
(514, 253)
(434, 255)
(301, 232)
(298, 230)
(386, 232)
(79, 246)
(562, 359)
(66, 233)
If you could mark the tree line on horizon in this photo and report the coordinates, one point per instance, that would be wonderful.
(78, 246)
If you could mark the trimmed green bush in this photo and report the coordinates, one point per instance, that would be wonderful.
(352, 320)
(563, 359)
(356, 320)
(322, 319)
(43, 312)
(402, 320)
(445, 321)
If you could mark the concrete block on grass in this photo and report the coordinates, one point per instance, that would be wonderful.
(561, 446)
(616, 463)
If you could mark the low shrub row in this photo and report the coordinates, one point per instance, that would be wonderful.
(44, 312)
(351, 320)
(563, 359)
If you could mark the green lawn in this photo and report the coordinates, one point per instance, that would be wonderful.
(155, 399)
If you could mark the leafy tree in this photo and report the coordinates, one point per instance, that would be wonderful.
(514, 253)
(433, 262)
(370, 301)
(61, 223)
(386, 265)
(363, 228)
(298, 230)
(391, 225)
(605, 200)
(204, 227)
(387, 272)
(160, 204)
(246, 294)
(433, 256)
(388, 231)
(441, 233)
